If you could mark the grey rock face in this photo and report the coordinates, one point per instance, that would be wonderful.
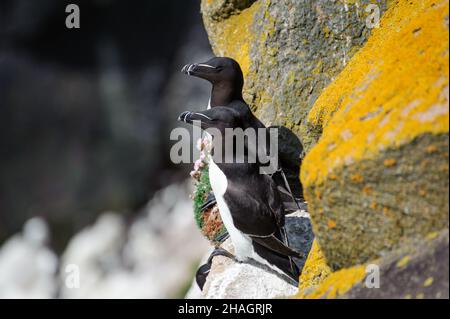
(421, 274)
(300, 234)
(220, 10)
(295, 49)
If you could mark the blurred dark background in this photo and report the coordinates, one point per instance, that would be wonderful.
(85, 114)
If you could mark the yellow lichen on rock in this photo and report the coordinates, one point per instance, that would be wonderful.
(289, 50)
(233, 37)
(336, 284)
(315, 269)
(393, 90)
(385, 122)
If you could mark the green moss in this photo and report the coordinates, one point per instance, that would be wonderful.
(203, 188)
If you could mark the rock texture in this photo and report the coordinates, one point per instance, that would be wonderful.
(421, 274)
(379, 173)
(230, 280)
(418, 270)
(289, 50)
(314, 271)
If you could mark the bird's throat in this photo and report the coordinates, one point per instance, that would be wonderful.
(223, 95)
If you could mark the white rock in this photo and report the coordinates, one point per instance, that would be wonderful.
(230, 280)
(27, 266)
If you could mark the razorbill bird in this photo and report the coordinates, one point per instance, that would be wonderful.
(227, 80)
(249, 202)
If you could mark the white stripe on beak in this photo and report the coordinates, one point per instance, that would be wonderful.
(204, 116)
(186, 115)
(190, 68)
(206, 66)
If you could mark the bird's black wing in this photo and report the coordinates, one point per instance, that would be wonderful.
(260, 215)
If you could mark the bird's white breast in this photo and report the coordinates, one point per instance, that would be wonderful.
(217, 178)
(242, 243)
(219, 183)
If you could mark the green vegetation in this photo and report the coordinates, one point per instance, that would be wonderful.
(202, 189)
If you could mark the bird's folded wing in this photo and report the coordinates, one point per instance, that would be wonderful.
(263, 220)
(277, 246)
(252, 213)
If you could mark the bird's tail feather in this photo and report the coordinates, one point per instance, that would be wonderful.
(286, 242)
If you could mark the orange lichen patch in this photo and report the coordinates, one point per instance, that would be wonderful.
(318, 195)
(336, 284)
(422, 193)
(331, 224)
(425, 163)
(234, 37)
(367, 190)
(357, 178)
(373, 205)
(388, 94)
(315, 269)
(388, 213)
(431, 149)
(390, 162)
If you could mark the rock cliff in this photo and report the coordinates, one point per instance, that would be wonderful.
(368, 99)
(379, 172)
(289, 50)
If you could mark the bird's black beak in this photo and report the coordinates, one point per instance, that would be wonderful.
(201, 70)
(187, 69)
(184, 117)
(196, 118)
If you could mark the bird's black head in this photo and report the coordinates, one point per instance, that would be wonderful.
(223, 124)
(219, 118)
(224, 74)
(217, 71)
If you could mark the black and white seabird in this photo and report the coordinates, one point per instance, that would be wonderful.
(249, 202)
(227, 80)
